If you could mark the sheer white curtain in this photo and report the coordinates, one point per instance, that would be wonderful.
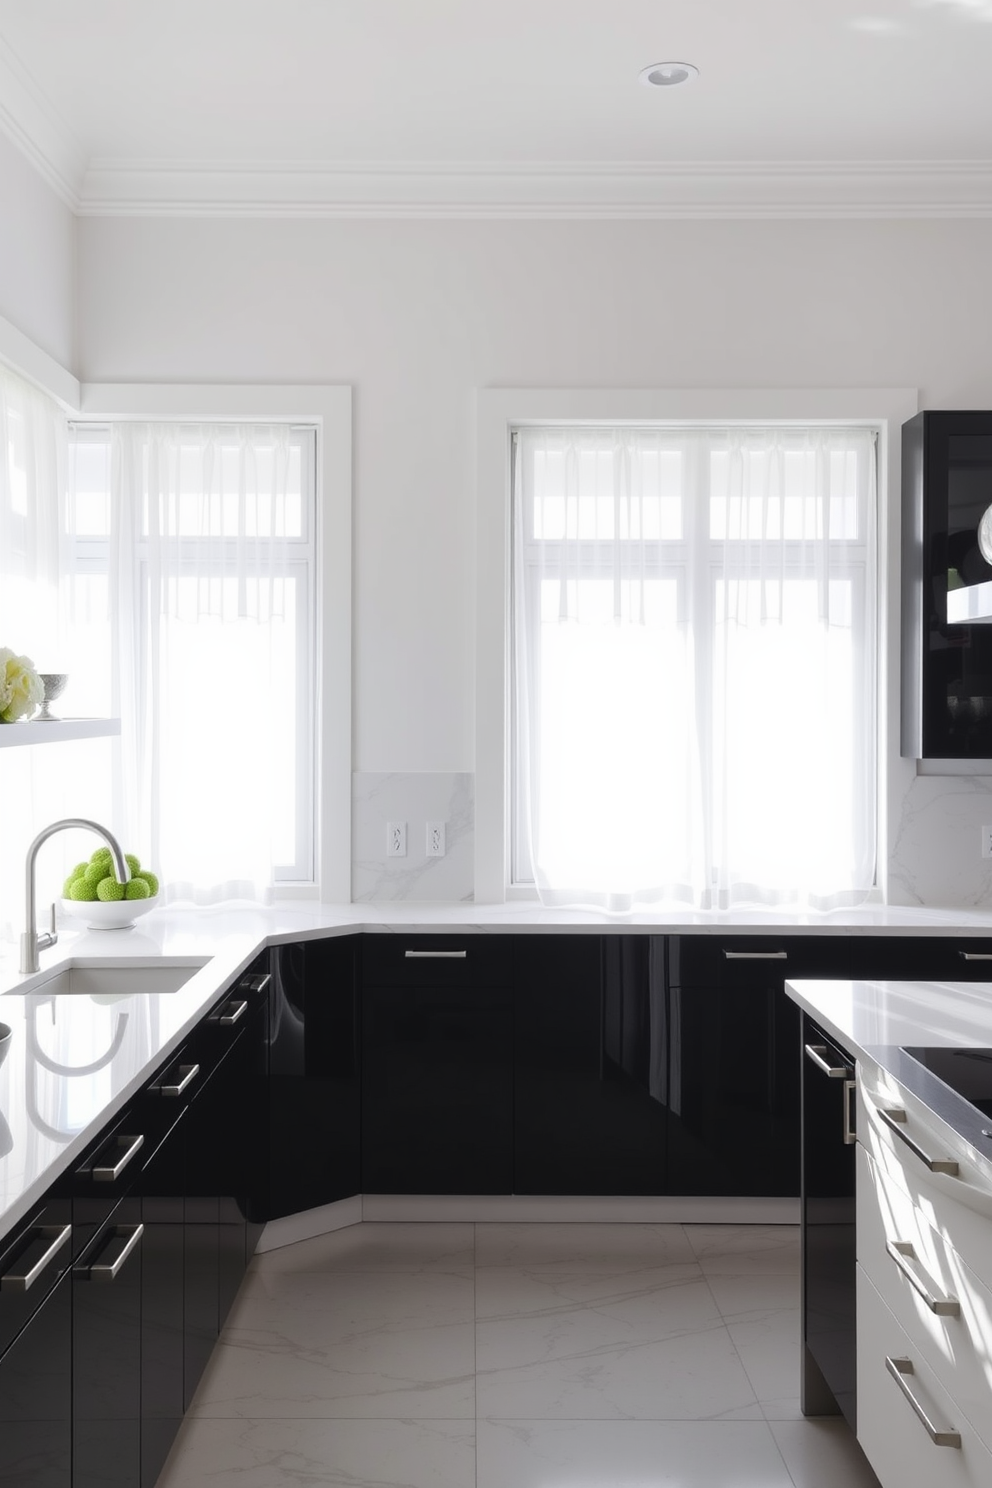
(207, 615)
(35, 787)
(694, 665)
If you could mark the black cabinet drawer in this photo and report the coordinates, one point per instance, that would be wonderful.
(744, 960)
(437, 960)
(110, 1169)
(31, 1262)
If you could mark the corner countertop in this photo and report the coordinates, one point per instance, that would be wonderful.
(75, 1060)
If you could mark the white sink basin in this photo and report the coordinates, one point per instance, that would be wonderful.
(117, 981)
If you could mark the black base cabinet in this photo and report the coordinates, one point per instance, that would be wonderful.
(829, 1235)
(36, 1353)
(314, 1080)
(437, 1086)
(106, 1354)
(590, 1065)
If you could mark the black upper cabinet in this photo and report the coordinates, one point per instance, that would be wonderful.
(437, 1089)
(947, 668)
(590, 1077)
(314, 1075)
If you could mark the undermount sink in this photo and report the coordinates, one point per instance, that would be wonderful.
(117, 981)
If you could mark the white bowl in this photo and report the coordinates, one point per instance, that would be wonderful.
(119, 915)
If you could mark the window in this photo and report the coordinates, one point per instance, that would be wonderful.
(693, 664)
(192, 597)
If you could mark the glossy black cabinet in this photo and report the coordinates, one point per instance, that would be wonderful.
(590, 1065)
(946, 668)
(437, 1086)
(734, 1077)
(36, 1353)
(162, 1187)
(829, 1238)
(314, 1080)
(106, 1354)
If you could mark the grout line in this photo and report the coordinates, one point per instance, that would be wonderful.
(475, 1341)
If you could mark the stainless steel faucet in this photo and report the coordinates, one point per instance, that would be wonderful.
(31, 941)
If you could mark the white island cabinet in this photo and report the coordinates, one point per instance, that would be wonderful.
(924, 1293)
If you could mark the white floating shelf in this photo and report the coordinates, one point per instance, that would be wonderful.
(58, 730)
(971, 605)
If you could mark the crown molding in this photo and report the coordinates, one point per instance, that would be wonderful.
(38, 131)
(709, 189)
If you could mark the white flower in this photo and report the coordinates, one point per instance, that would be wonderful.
(21, 689)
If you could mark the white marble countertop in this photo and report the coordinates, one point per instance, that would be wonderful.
(867, 1015)
(75, 1060)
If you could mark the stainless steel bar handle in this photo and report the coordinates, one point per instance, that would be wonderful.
(893, 1120)
(435, 955)
(975, 955)
(756, 955)
(23, 1281)
(850, 1135)
(815, 1052)
(109, 1175)
(188, 1072)
(232, 1012)
(907, 1261)
(109, 1270)
(902, 1371)
(257, 982)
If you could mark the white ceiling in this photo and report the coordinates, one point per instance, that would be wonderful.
(503, 106)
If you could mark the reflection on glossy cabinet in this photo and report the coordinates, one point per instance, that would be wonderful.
(437, 1088)
(36, 1397)
(314, 1076)
(590, 1075)
(734, 1072)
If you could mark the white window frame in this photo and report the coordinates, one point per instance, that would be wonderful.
(328, 410)
(499, 410)
(92, 555)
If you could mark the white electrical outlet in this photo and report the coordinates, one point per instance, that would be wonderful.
(435, 839)
(987, 842)
(396, 839)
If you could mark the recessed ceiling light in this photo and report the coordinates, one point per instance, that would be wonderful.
(667, 74)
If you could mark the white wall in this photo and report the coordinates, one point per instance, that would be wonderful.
(418, 315)
(37, 257)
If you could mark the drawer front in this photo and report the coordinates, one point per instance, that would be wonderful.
(958, 1206)
(945, 1311)
(31, 1262)
(109, 1170)
(749, 960)
(437, 960)
(893, 1437)
(719, 960)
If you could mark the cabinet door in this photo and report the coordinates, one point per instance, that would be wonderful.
(106, 1355)
(314, 1077)
(163, 1277)
(734, 1090)
(36, 1398)
(437, 1090)
(947, 667)
(590, 1065)
(201, 1236)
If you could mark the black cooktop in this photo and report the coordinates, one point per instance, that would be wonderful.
(966, 1071)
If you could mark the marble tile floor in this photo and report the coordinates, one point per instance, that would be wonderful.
(515, 1356)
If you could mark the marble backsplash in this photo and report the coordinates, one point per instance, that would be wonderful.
(935, 858)
(936, 851)
(414, 799)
